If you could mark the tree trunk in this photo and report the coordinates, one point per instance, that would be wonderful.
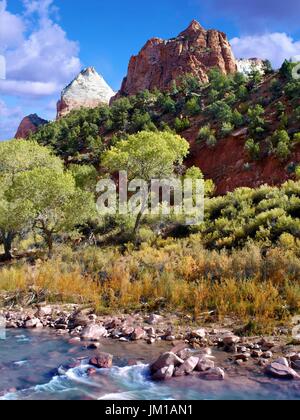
(49, 241)
(7, 244)
(137, 223)
(139, 216)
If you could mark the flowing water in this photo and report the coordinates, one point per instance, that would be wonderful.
(29, 362)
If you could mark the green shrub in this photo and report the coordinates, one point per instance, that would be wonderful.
(253, 149)
(193, 107)
(207, 134)
(237, 118)
(220, 111)
(227, 128)
(256, 120)
(181, 124)
(167, 104)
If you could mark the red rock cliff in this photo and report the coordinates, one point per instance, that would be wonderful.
(227, 164)
(195, 51)
(29, 125)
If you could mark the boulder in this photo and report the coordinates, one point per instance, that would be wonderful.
(256, 354)
(200, 333)
(79, 320)
(214, 374)
(138, 334)
(205, 364)
(187, 367)
(166, 359)
(282, 361)
(127, 331)
(154, 319)
(184, 354)
(33, 323)
(242, 356)
(164, 373)
(102, 361)
(230, 340)
(44, 311)
(277, 370)
(266, 344)
(93, 332)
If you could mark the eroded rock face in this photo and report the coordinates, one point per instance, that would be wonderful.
(29, 125)
(194, 51)
(87, 90)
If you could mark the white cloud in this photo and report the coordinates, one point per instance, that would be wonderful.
(275, 47)
(27, 88)
(12, 28)
(45, 57)
(40, 61)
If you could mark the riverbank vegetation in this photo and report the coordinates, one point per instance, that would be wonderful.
(260, 289)
(242, 261)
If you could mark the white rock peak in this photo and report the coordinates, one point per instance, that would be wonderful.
(246, 66)
(87, 90)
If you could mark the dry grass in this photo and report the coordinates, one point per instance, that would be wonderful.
(175, 275)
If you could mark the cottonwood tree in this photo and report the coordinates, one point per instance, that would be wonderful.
(16, 212)
(15, 215)
(58, 206)
(20, 156)
(146, 156)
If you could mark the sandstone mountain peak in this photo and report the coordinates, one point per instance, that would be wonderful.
(87, 90)
(160, 62)
(193, 27)
(29, 125)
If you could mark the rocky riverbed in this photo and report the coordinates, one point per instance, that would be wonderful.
(208, 353)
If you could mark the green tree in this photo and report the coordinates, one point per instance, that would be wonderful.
(58, 206)
(255, 78)
(18, 157)
(221, 111)
(237, 118)
(256, 120)
(141, 121)
(189, 83)
(207, 134)
(120, 113)
(219, 82)
(195, 173)
(287, 69)
(253, 149)
(227, 128)
(15, 216)
(283, 150)
(146, 156)
(85, 176)
(181, 124)
(193, 107)
(167, 104)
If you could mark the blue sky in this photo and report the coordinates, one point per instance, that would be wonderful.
(47, 42)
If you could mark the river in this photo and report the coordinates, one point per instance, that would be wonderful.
(29, 362)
